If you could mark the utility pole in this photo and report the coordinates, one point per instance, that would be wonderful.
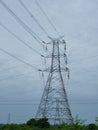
(54, 102)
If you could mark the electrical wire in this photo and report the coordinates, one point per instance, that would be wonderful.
(17, 37)
(32, 16)
(7, 69)
(47, 17)
(18, 75)
(33, 34)
(8, 53)
(75, 103)
(18, 104)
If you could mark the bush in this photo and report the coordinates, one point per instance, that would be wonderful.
(41, 123)
(32, 122)
(91, 127)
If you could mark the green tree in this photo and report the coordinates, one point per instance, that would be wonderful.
(43, 123)
(91, 127)
(32, 122)
(96, 121)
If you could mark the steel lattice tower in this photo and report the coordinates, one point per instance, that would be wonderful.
(54, 103)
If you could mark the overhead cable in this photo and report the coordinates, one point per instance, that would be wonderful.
(17, 37)
(33, 17)
(18, 75)
(27, 104)
(47, 17)
(27, 28)
(8, 53)
(7, 69)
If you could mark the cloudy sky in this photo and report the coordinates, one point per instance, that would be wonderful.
(21, 85)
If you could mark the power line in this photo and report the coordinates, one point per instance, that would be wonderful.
(16, 104)
(47, 17)
(30, 101)
(32, 16)
(96, 103)
(18, 75)
(37, 100)
(18, 101)
(35, 36)
(6, 52)
(87, 58)
(7, 69)
(84, 103)
(17, 37)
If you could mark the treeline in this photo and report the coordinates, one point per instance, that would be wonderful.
(43, 124)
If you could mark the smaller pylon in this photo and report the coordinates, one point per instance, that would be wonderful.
(9, 117)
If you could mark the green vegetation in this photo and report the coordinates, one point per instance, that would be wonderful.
(42, 124)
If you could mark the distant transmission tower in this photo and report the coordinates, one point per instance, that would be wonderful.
(9, 117)
(54, 103)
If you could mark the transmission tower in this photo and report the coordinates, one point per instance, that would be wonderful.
(54, 102)
(9, 117)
